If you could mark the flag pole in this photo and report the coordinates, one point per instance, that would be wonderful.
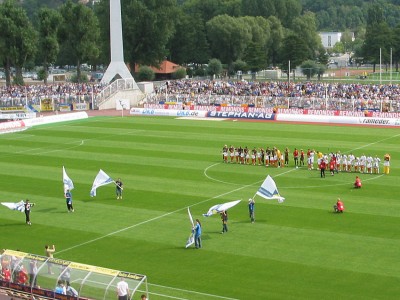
(118, 185)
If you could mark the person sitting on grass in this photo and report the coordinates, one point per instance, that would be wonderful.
(338, 207)
(357, 183)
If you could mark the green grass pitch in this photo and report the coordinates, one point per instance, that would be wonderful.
(298, 249)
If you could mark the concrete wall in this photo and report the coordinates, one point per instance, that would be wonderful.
(134, 97)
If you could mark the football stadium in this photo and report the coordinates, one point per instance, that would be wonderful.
(236, 150)
(297, 249)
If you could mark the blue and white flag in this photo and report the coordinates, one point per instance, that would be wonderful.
(269, 191)
(101, 179)
(20, 206)
(68, 184)
(216, 209)
(190, 240)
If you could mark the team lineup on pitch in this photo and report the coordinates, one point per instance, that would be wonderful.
(222, 178)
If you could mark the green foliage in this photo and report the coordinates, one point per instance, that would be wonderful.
(214, 67)
(147, 34)
(48, 23)
(42, 74)
(378, 37)
(145, 74)
(305, 27)
(82, 78)
(295, 50)
(240, 65)
(228, 37)
(79, 33)
(179, 74)
(18, 79)
(17, 39)
(201, 72)
(298, 249)
(309, 68)
(255, 57)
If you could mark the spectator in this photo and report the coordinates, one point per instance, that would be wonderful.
(60, 288)
(49, 253)
(122, 289)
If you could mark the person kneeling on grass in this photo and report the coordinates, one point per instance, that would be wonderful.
(357, 183)
(338, 207)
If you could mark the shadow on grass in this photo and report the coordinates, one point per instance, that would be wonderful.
(47, 210)
(14, 224)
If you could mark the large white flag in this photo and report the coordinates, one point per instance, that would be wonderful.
(268, 190)
(101, 179)
(216, 209)
(190, 240)
(20, 206)
(68, 184)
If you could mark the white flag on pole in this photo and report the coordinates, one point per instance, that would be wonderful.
(101, 179)
(20, 206)
(216, 209)
(68, 184)
(190, 240)
(268, 190)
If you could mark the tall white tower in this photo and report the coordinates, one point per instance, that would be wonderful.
(117, 65)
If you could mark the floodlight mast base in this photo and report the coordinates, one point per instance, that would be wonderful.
(117, 65)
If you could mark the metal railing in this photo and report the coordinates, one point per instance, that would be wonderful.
(113, 88)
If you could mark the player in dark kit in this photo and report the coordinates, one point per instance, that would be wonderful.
(119, 188)
(28, 207)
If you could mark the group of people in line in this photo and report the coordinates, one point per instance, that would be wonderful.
(260, 157)
(336, 161)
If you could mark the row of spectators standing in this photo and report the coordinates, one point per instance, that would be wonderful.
(283, 89)
(19, 95)
(275, 158)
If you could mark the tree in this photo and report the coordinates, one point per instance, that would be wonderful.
(255, 57)
(214, 67)
(48, 22)
(189, 43)
(396, 46)
(347, 40)
(208, 9)
(147, 34)
(306, 28)
(17, 40)
(377, 37)
(295, 50)
(240, 65)
(308, 68)
(79, 33)
(228, 37)
(146, 74)
(276, 38)
(284, 10)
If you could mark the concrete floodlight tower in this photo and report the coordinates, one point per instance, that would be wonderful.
(117, 65)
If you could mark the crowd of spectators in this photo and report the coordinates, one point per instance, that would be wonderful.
(62, 92)
(316, 95)
(311, 95)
